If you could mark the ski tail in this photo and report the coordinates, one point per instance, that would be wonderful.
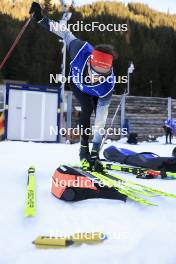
(30, 204)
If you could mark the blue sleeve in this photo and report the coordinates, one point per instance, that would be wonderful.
(74, 47)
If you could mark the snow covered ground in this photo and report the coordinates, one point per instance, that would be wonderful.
(141, 234)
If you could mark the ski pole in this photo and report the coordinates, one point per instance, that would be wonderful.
(15, 43)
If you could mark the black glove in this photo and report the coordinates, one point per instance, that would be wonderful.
(36, 10)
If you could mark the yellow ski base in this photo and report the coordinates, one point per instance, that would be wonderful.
(30, 204)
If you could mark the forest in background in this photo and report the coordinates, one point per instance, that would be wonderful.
(150, 43)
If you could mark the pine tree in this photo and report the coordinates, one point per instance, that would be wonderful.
(150, 42)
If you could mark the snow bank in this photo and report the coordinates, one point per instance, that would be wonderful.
(137, 234)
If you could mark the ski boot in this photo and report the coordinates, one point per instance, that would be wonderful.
(95, 161)
(85, 157)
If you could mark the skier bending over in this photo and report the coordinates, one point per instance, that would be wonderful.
(92, 93)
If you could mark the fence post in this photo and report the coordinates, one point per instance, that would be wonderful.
(122, 117)
(169, 111)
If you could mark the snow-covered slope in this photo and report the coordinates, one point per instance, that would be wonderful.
(137, 234)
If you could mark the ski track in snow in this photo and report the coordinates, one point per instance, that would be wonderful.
(143, 234)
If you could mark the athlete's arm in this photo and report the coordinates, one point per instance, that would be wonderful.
(59, 28)
(72, 42)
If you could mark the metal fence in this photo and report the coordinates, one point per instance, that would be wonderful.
(123, 109)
